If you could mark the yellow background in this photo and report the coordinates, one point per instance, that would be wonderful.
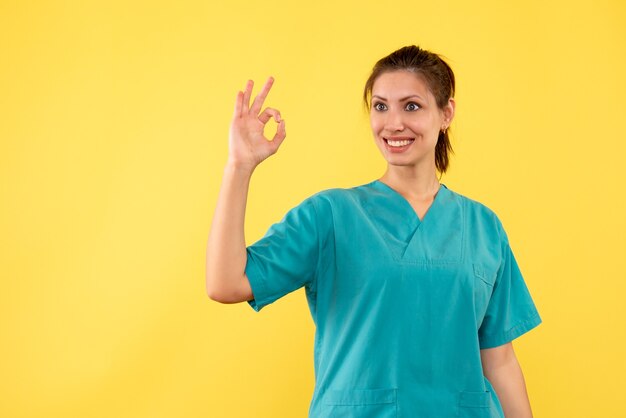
(114, 121)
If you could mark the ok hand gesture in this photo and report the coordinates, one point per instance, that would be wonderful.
(248, 146)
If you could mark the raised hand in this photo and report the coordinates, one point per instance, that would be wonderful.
(248, 146)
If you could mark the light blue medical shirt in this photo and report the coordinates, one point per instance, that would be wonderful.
(402, 307)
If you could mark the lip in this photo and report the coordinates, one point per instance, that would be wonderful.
(396, 150)
(397, 138)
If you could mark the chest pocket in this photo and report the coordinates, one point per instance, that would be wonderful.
(484, 280)
(360, 403)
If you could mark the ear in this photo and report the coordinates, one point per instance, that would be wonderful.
(448, 111)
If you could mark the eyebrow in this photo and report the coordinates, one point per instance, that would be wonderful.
(403, 99)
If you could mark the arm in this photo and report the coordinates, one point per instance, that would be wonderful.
(502, 369)
(226, 248)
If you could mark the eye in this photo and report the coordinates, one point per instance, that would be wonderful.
(379, 106)
(412, 106)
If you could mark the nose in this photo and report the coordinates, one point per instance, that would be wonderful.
(394, 121)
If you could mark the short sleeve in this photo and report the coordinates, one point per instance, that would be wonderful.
(511, 311)
(286, 257)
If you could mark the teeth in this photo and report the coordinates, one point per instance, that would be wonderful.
(399, 143)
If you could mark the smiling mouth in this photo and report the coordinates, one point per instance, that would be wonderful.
(397, 143)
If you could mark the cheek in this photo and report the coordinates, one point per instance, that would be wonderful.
(376, 125)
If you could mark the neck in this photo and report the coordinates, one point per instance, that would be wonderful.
(418, 182)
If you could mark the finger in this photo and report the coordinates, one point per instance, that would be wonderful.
(238, 104)
(246, 95)
(267, 114)
(279, 136)
(260, 98)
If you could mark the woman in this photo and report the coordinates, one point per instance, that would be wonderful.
(414, 289)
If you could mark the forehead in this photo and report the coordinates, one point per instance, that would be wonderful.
(396, 84)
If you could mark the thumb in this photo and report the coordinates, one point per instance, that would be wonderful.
(280, 135)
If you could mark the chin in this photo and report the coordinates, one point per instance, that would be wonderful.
(402, 163)
(406, 160)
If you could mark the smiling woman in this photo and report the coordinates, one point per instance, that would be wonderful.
(413, 288)
(406, 121)
(426, 79)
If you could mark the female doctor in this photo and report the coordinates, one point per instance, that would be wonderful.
(414, 289)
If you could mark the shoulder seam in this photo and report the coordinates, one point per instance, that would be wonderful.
(313, 286)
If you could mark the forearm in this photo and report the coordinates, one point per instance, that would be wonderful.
(508, 381)
(226, 248)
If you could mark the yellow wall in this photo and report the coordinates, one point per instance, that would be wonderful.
(113, 127)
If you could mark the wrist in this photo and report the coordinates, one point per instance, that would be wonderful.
(239, 168)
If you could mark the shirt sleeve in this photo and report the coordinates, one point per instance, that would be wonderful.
(511, 311)
(286, 257)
